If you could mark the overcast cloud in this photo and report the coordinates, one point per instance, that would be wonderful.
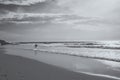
(21, 2)
(74, 20)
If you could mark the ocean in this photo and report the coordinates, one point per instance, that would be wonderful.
(103, 50)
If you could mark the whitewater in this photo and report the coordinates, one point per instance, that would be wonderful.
(106, 50)
(100, 50)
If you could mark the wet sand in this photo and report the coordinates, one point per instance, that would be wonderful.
(19, 68)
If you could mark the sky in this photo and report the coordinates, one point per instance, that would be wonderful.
(59, 20)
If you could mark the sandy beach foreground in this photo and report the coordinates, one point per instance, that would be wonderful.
(19, 68)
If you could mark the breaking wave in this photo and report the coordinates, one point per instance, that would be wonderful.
(85, 56)
(103, 50)
(92, 44)
(102, 75)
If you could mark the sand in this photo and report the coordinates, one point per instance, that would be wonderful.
(19, 68)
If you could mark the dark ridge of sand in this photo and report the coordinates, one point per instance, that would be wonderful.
(18, 68)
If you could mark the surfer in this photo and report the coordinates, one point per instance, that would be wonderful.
(36, 45)
(35, 48)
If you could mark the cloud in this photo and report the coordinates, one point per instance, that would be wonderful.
(21, 2)
(27, 17)
(59, 19)
(79, 22)
(56, 18)
(79, 12)
(94, 8)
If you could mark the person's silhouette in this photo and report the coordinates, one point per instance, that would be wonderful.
(36, 45)
(35, 50)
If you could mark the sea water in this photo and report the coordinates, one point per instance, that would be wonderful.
(103, 50)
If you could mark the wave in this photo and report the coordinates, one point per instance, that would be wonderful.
(103, 50)
(82, 44)
(91, 44)
(85, 44)
(84, 56)
(101, 75)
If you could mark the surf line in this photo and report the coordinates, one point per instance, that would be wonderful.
(84, 56)
(100, 75)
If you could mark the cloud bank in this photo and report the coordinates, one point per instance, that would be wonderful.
(21, 2)
(60, 19)
(79, 22)
(91, 7)
(56, 18)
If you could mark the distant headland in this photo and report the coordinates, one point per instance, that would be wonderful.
(3, 42)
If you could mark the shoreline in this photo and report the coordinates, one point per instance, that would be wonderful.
(45, 60)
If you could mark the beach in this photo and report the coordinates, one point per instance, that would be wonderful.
(16, 64)
(59, 40)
